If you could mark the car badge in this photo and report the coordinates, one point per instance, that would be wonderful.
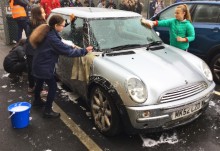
(186, 81)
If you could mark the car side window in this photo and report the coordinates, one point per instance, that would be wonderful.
(74, 32)
(206, 13)
(170, 13)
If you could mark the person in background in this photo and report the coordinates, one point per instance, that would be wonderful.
(151, 8)
(102, 4)
(66, 3)
(38, 17)
(159, 5)
(19, 14)
(128, 5)
(15, 62)
(89, 3)
(138, 6)
(77, 4)
(48, 5)
(111, 4)
(48, 44)
(181, 29)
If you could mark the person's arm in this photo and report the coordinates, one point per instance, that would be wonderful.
(164, 23)
(71, 20)
(190, 33)
(63, 49)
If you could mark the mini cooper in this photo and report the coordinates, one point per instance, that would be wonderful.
(132, 80)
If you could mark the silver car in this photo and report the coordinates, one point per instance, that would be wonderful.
(133, 81)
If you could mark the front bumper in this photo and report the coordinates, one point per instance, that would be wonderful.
(162, 115)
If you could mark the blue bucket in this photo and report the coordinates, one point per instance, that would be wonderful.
(19, 114)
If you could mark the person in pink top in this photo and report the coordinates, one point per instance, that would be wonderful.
(48, 5)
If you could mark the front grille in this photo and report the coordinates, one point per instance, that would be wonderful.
(183, 92)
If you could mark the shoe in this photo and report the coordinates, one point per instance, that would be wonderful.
(43, 93)
(40, 103)
(30, 90)
(50, 114)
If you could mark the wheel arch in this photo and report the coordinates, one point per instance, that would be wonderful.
(212, 53)
(104, 83)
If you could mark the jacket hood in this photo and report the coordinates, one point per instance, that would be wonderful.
(38, 35)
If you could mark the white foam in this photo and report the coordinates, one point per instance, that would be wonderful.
(19, 108)
(211, 103)
(164, 138)
(5, 75)
(4, 86)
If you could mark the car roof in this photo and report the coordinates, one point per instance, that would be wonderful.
(94, 12)
(199, 2)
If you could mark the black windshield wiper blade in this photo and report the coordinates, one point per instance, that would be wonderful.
(154, 43)
(126, 46)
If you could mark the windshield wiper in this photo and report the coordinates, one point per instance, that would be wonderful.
(154, 43)
(106, 51)
(126, 46)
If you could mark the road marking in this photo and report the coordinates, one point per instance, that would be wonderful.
(217, 93)
(83, 137)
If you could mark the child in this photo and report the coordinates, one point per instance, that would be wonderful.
(47, 42)
(15, 62)
(181, 29)
(37, 18)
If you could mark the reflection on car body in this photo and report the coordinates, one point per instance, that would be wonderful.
(128, 86)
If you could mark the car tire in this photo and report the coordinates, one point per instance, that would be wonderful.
(215, 68)
(104, 112)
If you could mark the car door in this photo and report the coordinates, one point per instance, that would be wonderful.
(207, 29)
(166, 14)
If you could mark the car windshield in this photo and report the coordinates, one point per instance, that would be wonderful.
(120, 33)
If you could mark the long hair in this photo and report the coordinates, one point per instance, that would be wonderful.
(36, 16)
(38, 35)
(185, 9)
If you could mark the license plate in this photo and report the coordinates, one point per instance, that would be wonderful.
(186, 111)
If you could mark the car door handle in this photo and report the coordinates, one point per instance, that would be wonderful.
(215, 29)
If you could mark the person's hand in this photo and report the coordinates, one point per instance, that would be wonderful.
(89, 49)
(72, 17)
(180, 39)
(147, 22)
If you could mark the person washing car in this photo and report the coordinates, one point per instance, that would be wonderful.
(48, 44)
(181, 29)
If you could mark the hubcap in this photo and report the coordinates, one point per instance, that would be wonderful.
(101, 110)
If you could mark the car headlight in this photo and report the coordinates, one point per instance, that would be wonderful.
(137, 90)
(206, 71)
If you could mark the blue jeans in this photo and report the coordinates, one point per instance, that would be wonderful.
(52, 86)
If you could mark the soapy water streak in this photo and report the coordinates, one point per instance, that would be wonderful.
(164, 138)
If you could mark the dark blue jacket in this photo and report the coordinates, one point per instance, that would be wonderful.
(47, 53)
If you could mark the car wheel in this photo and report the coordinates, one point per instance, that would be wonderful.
(215, 68)
(104, 112)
